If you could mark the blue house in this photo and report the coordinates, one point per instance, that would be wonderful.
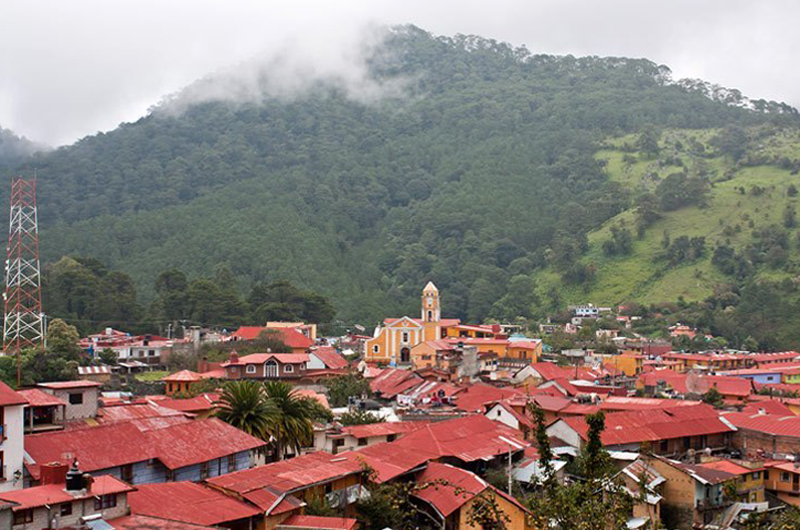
(148, 451)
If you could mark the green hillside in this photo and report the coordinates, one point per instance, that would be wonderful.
(730, 217)
(484, 170)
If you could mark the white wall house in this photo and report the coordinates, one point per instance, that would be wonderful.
(12, 441)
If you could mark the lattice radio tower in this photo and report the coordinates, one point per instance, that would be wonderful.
(23, 323)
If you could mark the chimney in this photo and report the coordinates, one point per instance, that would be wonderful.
(74, 479)
(54, 473)
(234, 358)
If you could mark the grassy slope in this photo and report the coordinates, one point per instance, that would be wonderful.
(641, 275)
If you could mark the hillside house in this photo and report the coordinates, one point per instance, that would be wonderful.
(65, 499)
(12, 434)
(81, 398)
(147, 451)
(453, 498)
(673, 431)
(194, 503)
(280, 489)
(266, 366)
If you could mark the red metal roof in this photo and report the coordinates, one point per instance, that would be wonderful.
(322, 399)
(689, 382)
(50, 494)
(59, 385)
(551, 371)
(266, 485)
(126, 442)
(182, 376)
(767, 423)
(261, 358)
(143, 522)
(393, 381)
(188, 502)
(39, 398)
(330, 357)
(618, 403)
(305, 522)
(9, 397)
(474, 398)
(201, 403)
(289, 336)
(383, 428)
(452, 487)
(137, 411)
(728, 467)
(469, 439)
(654, 425)
(768, 406)
(389, 460)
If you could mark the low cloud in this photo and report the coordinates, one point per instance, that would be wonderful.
(68, 69)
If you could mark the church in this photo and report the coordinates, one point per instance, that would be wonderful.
(392, 342)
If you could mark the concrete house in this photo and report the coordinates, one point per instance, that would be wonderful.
(66, 499)
(80, 397)
(12, 435)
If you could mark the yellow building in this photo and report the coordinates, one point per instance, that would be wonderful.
(630, 364)
(392, 342)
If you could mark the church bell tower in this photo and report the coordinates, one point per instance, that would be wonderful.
(431, 312)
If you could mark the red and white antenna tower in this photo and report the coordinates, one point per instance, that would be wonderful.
(23, 323)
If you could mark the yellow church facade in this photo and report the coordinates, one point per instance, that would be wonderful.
(392, 342)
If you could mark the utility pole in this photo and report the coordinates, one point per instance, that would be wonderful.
(23, 323)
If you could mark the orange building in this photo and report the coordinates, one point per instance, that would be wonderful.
(392, 342)
(181, 382)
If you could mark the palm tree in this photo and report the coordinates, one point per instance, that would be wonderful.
(244, 405)
(292, 424)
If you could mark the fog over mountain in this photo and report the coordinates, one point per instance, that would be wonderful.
(89, 65)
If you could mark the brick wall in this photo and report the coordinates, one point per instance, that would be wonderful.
(750, 441)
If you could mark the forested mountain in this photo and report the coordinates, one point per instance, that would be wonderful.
(481, 171)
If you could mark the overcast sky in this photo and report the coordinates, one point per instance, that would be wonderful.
(73, 68)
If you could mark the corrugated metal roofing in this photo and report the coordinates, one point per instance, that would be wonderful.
(767, 423)
(318, 523)
(188, 502)
(39, 398)
(127, 442)
(50, 494)
(654, 425)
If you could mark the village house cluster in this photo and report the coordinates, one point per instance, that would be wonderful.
(705, 437)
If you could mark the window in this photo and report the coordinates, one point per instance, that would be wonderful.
(76, 399)
(251, 368)
(375, 349)
(66, 509)
(328, 488)
(204, 470)
(664, 446)
(126, 473)
(430, 315)
(785, 477)
(766, 474)
(756, 475)
(151, 353)
(105, 501)
(391, 438)
(362, 442)
(405, 336)
(23, 516)
(288, 369)
(231, 463)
